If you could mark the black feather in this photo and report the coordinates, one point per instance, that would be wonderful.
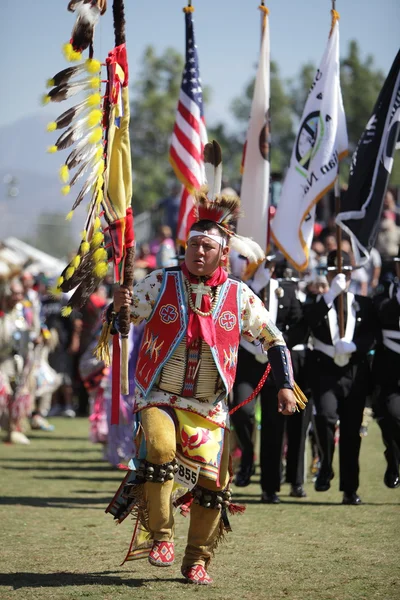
(65, 75)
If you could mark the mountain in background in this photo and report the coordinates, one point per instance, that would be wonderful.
(29, 181)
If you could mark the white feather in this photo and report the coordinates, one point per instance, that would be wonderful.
(88, 13)
(214, 179)
(247, 247)
(83, 151)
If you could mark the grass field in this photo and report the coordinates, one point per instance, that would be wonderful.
(57, 543)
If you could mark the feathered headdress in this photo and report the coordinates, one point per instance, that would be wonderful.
(223, 209)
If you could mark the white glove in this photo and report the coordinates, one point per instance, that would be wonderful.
(344, 347)
(338, 285)
(260, 280)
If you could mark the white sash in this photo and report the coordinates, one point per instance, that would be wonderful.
(342, 359)
(389, 335)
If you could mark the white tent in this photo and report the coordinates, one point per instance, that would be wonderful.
(35, 260)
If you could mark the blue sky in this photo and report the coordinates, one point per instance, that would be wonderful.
(227, 31)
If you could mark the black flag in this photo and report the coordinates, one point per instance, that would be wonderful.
(371, 166)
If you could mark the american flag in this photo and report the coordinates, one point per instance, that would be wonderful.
(189, 135)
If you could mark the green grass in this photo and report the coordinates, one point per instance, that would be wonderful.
(57, 543)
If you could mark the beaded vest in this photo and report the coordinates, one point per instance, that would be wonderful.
(163, 341)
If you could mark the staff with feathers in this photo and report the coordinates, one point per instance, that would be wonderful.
(98, 130)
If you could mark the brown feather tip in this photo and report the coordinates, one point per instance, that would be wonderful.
(213, 153)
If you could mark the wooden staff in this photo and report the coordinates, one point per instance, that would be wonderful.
(127, 276)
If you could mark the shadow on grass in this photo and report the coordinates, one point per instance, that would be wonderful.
(119, 475)
(54, 468)
(283, 502)
(59, 580)
(50, 437)
(54, 502)
(76, 461)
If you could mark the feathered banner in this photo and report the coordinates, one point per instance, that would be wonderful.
(97, 130)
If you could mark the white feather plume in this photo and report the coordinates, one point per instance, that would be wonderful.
(247, 247)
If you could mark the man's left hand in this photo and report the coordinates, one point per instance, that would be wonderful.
(286, 402)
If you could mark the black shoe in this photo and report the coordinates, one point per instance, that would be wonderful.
(243, 476)
(270, 498)
(323, 482)
(351, 498)
(391, 479)
(297, 491)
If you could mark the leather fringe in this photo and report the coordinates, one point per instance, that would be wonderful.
(102, 350)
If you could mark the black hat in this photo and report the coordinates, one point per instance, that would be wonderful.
(332, 261)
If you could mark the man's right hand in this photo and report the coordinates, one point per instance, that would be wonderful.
(338, 285)
(122, 297)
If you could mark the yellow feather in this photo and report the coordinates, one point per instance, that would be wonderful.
(96, 136)
(64, 173)
(100, 182)
(96, 240)
(75, 56)
(94, 117)
(69, 272)
(66, 311)
(69, 215)
(99, 197)
(52, 126)
(93, 65)
(100, 269)
(67, 51)
(76, 261)
(84, 248)
(94, 100)
(60, 281)
(52, 149)
(55, 291)
(97, 223)
(95, 82)
(99, 152)
(45, 99)
(50, 83)
(100, 255)
(65, 190)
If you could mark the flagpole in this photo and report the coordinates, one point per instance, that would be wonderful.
(339, 261)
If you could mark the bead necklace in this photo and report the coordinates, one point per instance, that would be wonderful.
(192, 305)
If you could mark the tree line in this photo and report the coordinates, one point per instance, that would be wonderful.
(154, 97)
(153, 106)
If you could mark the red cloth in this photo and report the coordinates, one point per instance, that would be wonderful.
(203, 327)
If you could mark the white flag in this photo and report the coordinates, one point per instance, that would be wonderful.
(256, 167)
(320, 144)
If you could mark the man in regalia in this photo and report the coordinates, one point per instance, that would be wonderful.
(195, 317)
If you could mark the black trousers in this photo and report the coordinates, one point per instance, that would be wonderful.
(273, 426)
(339, 393)
(387, 413)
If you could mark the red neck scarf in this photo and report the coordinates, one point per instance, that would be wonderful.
(203, 327)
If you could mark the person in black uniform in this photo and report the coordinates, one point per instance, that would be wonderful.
(341, 377)
(386, 369)
(285, 310)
